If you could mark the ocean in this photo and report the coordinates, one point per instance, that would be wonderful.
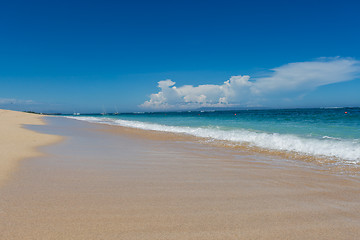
(330, 133)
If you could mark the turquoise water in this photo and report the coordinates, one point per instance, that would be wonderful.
(331, 132)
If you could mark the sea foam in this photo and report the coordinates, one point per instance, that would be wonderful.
(346, 150)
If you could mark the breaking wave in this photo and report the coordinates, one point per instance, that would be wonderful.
(347, 150)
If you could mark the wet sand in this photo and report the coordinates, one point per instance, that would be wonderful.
(16, 142)
(127, 185)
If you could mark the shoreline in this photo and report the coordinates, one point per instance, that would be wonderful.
(17, 142)
(105, 184)
(331, 165)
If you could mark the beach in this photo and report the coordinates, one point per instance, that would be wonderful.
(16, 142)
(112, 182)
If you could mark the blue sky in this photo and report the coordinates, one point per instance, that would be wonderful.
(86, 56)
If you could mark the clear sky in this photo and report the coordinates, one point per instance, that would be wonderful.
(90, 56)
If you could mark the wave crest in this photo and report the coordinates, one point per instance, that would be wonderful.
(327, 147)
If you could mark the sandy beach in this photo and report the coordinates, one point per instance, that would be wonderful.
(16, 142)
(107, 182)
(179, 120)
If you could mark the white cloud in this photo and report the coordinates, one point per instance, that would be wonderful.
(8, 101)
(308, 75)
(298, 77)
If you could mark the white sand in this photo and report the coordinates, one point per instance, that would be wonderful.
(139, 186)
(16, 142)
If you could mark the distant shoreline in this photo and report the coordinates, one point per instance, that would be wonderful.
(189, 110)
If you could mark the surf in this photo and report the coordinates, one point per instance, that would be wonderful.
(344, 150)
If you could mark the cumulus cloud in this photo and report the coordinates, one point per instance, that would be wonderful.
(299, 77)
